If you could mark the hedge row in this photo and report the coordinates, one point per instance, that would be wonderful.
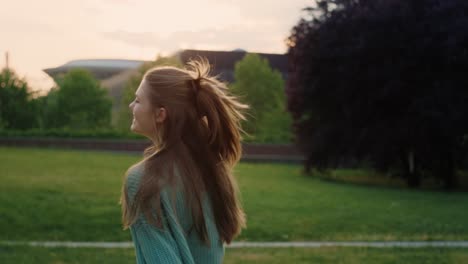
(69, 133)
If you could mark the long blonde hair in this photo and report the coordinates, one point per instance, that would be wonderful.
(201, 136)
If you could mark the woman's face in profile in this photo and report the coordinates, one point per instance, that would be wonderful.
(143, 116)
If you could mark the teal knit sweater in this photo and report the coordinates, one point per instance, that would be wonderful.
(177, 242)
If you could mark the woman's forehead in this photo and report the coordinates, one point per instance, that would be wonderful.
(140, 91)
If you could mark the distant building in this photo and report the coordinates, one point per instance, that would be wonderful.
(101, 68)
(115, 73)
(223, 64)
(224, 61)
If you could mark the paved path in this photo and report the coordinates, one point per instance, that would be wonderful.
(305, 244)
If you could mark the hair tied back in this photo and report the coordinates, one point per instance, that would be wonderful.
(195, 84)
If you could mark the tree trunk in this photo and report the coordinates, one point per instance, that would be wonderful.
(413, 176)
(448, 168)
(308, 165)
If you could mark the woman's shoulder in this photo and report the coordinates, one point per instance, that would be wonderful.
(134, 174)
(135, 171)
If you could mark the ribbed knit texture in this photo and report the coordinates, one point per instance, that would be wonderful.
(173, 244)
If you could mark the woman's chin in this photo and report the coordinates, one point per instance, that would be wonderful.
(133, 129)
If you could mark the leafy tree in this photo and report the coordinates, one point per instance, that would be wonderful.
(79, 102)
(262, 88)
(18, 110)
(382, 81)
(50, 110)
(125, 115)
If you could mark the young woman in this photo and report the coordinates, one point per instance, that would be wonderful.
(180, 201)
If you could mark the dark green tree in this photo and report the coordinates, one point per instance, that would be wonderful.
(18, 109)
(50, 112)
(382, 81)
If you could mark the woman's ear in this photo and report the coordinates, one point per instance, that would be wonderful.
(161, 114)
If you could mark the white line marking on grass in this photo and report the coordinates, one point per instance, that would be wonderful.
(316, 244)
(305, 244)
(68, 244)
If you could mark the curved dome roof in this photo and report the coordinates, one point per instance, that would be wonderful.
(100, 68)
(111, 63)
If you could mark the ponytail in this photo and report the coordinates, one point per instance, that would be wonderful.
(223, 113)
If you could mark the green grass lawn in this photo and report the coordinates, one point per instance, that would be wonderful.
(333, 255)
(70, 195)
(73, 195)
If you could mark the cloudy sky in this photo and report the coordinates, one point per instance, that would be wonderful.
(49, 33)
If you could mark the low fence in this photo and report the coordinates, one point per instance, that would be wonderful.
(251, 151)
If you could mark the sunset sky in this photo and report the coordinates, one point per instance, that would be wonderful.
(49, 33)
